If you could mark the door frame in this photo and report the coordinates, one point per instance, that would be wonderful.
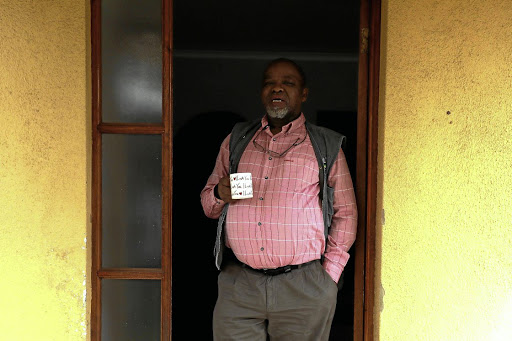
(366, 170)
(366, 167)
(164, 129)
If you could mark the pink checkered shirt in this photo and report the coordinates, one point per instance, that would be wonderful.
(282, 224)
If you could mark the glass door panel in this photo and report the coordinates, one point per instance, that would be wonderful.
(130, 310)
(131, 46)
(131, 201)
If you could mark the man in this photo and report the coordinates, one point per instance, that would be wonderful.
(281, 279)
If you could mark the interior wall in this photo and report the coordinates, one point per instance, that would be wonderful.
(44, 169)
(444, 247)
(231, 82)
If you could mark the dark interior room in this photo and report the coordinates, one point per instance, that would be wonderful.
(220, 51)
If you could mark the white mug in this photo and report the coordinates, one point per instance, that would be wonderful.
(241, 185)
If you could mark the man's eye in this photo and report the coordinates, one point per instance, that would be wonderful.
(289, 83)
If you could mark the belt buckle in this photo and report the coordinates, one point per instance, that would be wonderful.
(277, 271)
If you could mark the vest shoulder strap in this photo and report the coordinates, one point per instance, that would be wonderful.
(241, 134)
(326, 143)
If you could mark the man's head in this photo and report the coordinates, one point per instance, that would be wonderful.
(283, 89)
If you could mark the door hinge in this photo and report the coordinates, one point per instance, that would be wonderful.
(365, 32)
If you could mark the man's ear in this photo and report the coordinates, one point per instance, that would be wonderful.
(305, 93)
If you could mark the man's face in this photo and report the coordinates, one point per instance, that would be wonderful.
(282, 92)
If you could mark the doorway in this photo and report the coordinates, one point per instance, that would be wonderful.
(220, 51)
(132, 59)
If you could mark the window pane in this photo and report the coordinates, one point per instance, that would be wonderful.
(130, 310)
(131, 48)
(131, 200)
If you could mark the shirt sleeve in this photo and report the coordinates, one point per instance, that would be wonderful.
(342, 233)
(212, 206)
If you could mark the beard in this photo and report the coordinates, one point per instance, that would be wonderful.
(277, 113)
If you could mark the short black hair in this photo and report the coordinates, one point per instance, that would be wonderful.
(291, 62)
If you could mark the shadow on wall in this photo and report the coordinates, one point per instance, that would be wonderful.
(194, 284)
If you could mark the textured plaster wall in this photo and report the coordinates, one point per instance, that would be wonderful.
(44, 171)
(444, 244)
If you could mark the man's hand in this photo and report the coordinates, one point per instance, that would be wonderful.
(224, 189)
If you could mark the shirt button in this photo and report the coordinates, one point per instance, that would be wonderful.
(273, 139)
(259, 223)
(261, 198)
(270, 157)
(266, 178)
(262, 249)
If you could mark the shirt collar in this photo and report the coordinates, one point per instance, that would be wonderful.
(292, 127)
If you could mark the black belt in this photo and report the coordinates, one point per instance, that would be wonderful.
(273, 272)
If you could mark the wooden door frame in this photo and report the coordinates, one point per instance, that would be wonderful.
(366, 167)
(164, 129)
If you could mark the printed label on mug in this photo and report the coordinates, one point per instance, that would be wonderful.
(241, 185)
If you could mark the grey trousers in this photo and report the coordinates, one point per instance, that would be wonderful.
(298, 305)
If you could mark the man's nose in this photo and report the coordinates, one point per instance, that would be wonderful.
(277, 88)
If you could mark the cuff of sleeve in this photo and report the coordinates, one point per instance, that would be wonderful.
(334, 270)
(216, 196)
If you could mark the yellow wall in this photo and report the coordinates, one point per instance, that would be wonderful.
(44, 171)
(445, 179)
(444, 250)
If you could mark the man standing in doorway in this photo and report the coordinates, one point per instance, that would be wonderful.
(280, 272)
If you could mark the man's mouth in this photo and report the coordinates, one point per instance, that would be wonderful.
(277, 100)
